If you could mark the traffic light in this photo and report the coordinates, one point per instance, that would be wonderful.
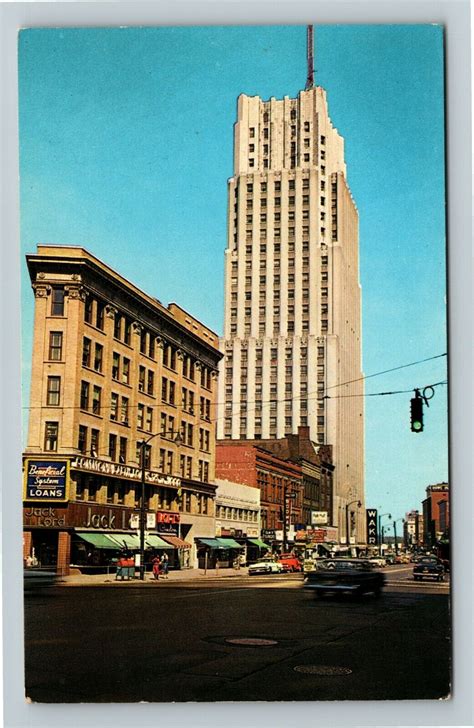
(416, 411)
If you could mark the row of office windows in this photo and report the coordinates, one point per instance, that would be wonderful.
(236, 514)
(93, 358)
(116, 448)
(122, 492)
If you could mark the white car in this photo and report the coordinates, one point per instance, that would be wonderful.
(378, 561)
(265, 566)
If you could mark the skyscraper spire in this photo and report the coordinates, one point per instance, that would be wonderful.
(310, 57)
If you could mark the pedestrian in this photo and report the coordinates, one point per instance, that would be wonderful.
(165, 565)
(156, 567)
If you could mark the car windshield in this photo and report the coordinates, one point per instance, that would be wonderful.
(428, 560)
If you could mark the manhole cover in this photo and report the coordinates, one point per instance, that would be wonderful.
(251, 641)
(322, 670)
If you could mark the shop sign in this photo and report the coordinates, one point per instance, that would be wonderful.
(268, 533)
(45, 517)
(316, 535)
(319, 518)
(167, 522)
(103, 467)
(330, 535)
(371, 524)
(46, 480)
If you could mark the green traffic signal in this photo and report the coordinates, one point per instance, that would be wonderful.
(416, 412)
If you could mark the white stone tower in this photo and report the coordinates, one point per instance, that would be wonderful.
(292, 331)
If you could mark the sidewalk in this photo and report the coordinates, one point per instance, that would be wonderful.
(184, 575)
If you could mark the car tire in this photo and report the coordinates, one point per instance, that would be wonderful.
(417, 578)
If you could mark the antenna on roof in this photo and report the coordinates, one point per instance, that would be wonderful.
(310, 56)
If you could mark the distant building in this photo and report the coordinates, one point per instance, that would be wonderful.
(413, 529)
(435, 495)
(111, 368)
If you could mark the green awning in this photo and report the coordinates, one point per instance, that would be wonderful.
(212, 542)
(155, 542)
(99, 540)
(126, 540)
(229, 543)
(259, 543)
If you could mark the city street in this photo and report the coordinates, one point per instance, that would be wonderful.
(170, 641)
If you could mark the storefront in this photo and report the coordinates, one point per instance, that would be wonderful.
(218, 552)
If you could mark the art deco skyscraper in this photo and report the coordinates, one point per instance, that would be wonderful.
(292, 331)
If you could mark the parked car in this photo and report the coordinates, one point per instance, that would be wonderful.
(378, 561)
(265, 566)
(428, 567)
(390, 558)
(346, 576)
(290, 562)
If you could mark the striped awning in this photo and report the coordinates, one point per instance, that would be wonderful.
(156, 542)
(176, 542)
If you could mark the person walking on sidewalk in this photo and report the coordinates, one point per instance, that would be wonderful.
(156, 567)
(165, 565)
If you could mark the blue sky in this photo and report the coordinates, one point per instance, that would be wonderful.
(117, 125)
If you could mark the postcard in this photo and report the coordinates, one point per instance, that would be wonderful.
(234, 336)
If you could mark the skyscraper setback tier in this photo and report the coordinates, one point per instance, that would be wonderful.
(292, 332)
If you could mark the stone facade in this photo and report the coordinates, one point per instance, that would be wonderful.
(113, 369)
(292, 332)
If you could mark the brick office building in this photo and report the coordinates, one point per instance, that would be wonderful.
(251, 463)
(111, 368)
(435, 494)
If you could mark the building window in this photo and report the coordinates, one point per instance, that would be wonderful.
(123, 453)
(86, 352)
(55, 345)
(82, 440)
(52, 394)
(88, 309)
(96, 396)
(57, 301)
(125, 371)
(84, 398)
(124, 411)
(51, 430)
(114, 399)
(95, 434)
(99, 315)
(113, 447)
(115, 365)
(98, 357)
(140, 416)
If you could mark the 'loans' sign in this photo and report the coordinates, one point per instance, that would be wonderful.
(46, 480)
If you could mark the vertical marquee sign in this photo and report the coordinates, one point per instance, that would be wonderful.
(46, 480)
(371, 522)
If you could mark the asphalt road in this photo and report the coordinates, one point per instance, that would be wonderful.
(169, 642)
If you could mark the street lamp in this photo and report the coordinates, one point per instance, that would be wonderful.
(395, 532)
(143, 446)
(380, 532)
(359, 504)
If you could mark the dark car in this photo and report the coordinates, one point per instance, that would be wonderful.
(39, 578)
(346, 576)
(429, 567)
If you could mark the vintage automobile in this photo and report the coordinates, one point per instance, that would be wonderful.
(346, 576)
(290, 562)
(378, 561)
(428, 567)
(265, 566)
